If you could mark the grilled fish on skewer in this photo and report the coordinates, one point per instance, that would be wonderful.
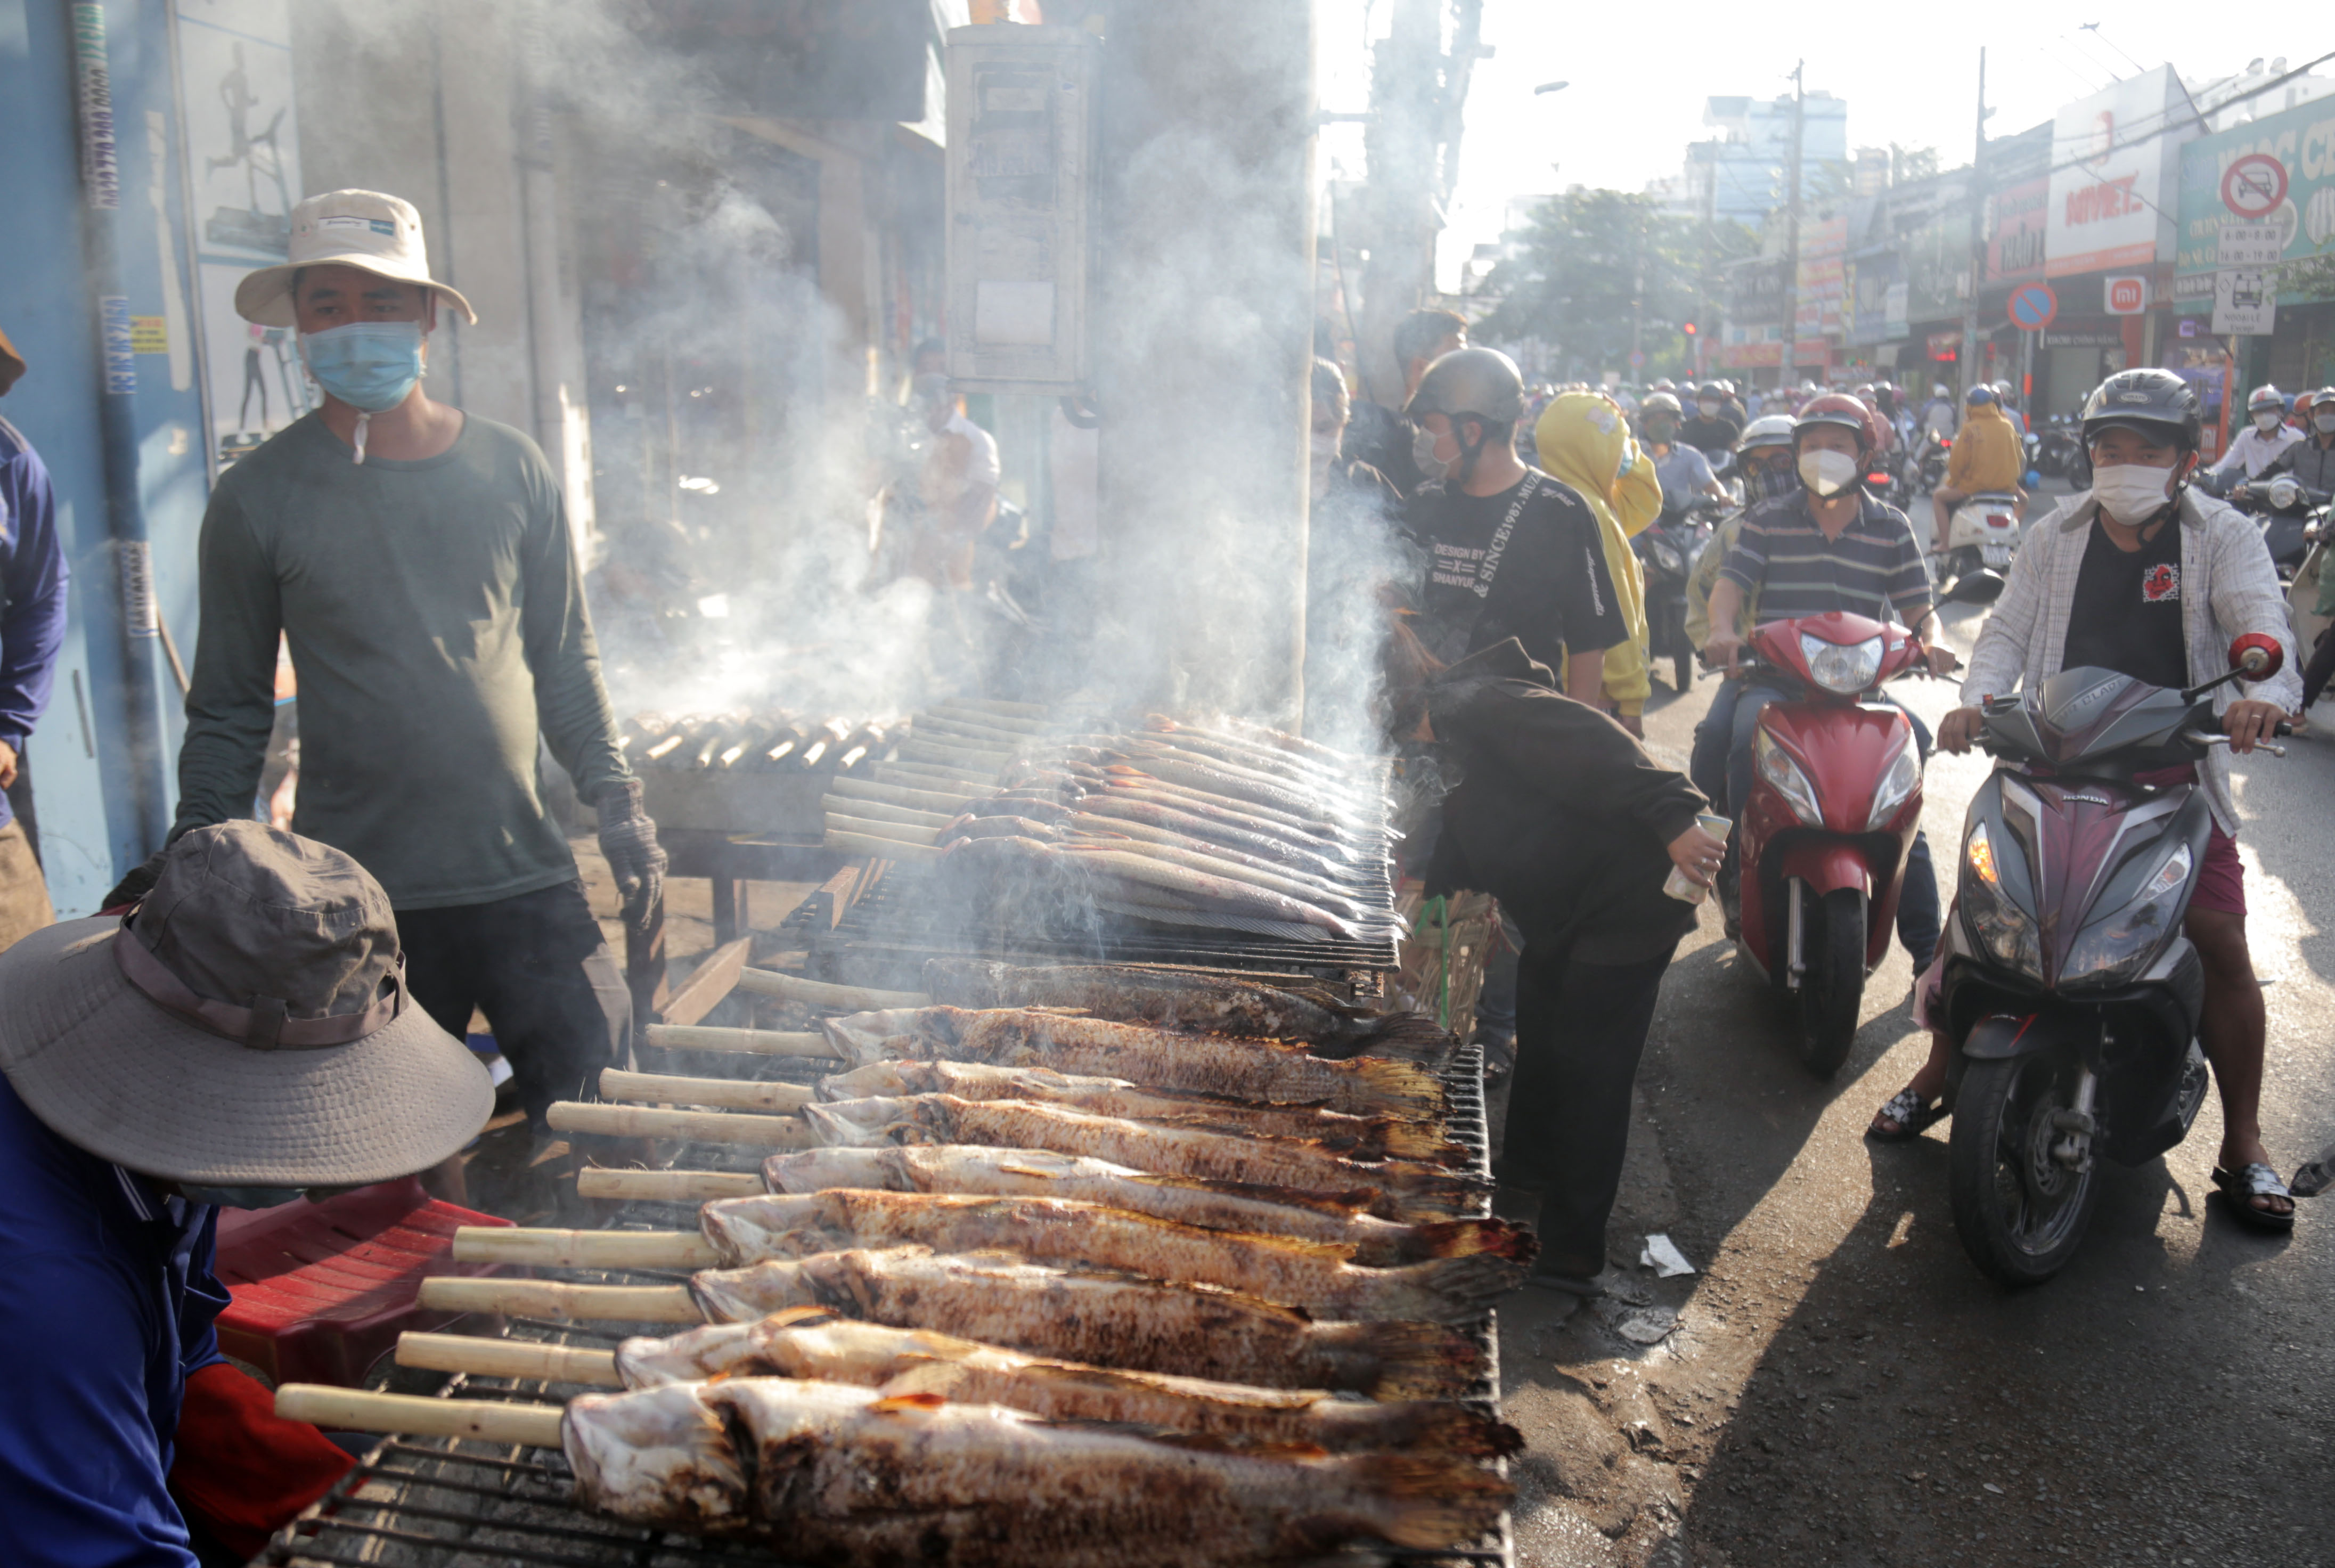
(1262, 1071)
(845, 1478)
(1354, 1138)
(1108, 1319)
(1169, 998)
(1407, 1191)
(1315, 1277)
(1340, 1217)
(811, 1344)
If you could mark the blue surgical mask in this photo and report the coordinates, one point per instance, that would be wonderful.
(369, 365)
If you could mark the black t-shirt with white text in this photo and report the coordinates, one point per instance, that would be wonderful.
(2126, 616)
(1549, 588)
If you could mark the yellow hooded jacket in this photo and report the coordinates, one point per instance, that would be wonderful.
(1583, 440)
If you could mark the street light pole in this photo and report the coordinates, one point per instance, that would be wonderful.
(1978, 238)
(1792, 231)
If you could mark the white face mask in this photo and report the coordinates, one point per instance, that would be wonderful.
(2267, 423)
(1422, 453)
(1826, 472)
(1707, 409)
(2132, 493)
(2322, 423)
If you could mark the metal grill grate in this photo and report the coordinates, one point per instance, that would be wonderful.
(448, 1503)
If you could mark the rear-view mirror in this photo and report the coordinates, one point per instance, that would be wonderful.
(1979, 587)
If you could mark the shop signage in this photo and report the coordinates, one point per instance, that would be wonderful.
(2127, 296)
(2085, 337)
(1945, 345)
(2018, 216)
(2300, 142)
(2119, 151)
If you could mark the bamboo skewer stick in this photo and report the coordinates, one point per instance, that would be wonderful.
(751, 1042)
(992, 706)
(877, 812)
(562, 1249)
(954, 749)
(355, 1410)
(723, 1093)
(776, 1132)
(561, 1302)
(880, 848)
(485, 1358)
(899, 832)
(958, 713)
(671, 1186)
(819, 993)
(950, 801)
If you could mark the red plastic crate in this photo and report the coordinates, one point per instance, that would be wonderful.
(322, 1289)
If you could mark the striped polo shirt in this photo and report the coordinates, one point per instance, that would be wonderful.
(1873, 568)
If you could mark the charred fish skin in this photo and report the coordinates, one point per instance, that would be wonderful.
(660, 1457)
(813, 1344)
(1409, 1191)
(1259, 1070)
(1239, 1206)
(1109, 1319)
(915, 1479)
(1317, 1278)
(1351, 1136)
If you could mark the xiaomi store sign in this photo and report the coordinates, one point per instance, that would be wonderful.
(2121, 153)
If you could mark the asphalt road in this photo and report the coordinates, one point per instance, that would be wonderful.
(1841, 1386)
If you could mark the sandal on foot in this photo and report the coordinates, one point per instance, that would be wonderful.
(2242, 1187)
(1910, 1112)
(1585, 1287)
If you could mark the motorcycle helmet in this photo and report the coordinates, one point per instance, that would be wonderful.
(2157, 404)
(1842, 409)
(1661, 403)
(1978, 396)
(2266, 399)
(1768, 431)
(1482, 382)
(1940, 391)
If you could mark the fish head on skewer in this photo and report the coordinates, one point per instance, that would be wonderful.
(659, 1456)
(876, 1120)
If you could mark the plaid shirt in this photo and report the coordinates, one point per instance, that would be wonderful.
(2228, 588)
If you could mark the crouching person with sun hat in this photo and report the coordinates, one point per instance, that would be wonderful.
(241, 1036)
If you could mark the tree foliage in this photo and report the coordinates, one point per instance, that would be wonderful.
(1593, 262)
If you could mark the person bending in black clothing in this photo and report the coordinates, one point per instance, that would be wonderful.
(1563, 817)
(1510, 552)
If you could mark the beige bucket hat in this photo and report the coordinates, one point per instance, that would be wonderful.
(248, 1024)
(360, 228)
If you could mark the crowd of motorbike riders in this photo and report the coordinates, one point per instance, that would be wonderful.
(2089, 979)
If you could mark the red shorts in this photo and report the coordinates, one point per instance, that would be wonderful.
(2222, 883)
(2221, 880)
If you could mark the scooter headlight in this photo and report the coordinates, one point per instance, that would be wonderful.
(1846, 669)
(1776, 767)
(1995, 922)
(1669, 559)
(2284, 492)
(2114, 950)
(1903, 777)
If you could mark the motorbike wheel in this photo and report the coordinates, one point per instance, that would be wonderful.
(1832, 993)
(2021, 1214)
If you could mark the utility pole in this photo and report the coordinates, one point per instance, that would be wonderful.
(1792, 229)
(1977, 237)
(1400, 144)
(1638, 294)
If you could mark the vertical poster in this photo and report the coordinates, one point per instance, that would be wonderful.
(243, 171)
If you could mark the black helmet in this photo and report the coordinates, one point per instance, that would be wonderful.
(1481, 381)
(2155, 403)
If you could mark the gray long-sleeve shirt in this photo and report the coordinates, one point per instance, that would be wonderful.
(436, 620)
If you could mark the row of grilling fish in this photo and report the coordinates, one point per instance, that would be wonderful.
(1173, 823)
(1034, 1305)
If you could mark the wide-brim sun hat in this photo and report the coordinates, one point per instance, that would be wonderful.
(248, 1024)
(366, 229)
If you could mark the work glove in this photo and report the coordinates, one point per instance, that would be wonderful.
(134, 886)
(628, 839)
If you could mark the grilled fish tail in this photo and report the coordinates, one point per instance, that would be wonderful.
(1398, 1360)
(1431, 1501)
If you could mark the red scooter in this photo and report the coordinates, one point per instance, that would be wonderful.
(1836, 799)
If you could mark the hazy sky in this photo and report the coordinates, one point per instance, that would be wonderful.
(1640, 74)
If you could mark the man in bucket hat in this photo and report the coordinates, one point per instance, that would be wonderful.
(418, 562)
(241, 1036)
